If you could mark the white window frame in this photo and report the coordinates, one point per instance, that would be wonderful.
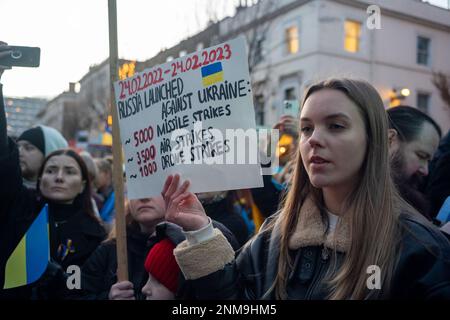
(424, 92)
(430, 50)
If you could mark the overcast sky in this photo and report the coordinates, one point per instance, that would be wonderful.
(73, 35)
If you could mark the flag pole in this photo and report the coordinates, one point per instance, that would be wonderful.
(121, 235)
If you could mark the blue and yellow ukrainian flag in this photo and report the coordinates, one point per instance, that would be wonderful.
(30, 258)
(212, 73)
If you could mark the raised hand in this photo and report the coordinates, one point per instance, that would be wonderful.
(183, 207)
(287, 124)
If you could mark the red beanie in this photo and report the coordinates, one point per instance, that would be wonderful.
(161, 264)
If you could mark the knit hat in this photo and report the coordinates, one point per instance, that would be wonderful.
(161, 264)
(35, 136)
(46, 139)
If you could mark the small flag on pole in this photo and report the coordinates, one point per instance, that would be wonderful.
(30, 258)
(212, 73)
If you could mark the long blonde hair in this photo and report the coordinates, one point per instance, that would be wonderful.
(373, 207)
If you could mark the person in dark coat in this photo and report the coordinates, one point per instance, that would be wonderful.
(63, 185)
(413, 139)
(343, 231)
(74, 230)
(34, 145)
(438, 182)
(145, 228)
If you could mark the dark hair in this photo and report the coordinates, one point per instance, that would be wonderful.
(84, 199)
(408, 122)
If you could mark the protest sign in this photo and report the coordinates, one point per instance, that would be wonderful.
(193, 116)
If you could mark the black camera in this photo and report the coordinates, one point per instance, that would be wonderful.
(21, 57)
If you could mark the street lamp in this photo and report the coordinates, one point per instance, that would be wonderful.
(405, 92)
(398, 95)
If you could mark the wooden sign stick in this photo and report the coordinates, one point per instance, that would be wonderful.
(121, 233)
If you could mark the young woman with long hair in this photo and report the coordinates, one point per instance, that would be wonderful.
(343, 231)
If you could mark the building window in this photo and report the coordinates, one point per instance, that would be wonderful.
(352, 35)
(423, 50)
(259, 56)
(423, 101)
(259, 110)
(292, 40)
(289, 94)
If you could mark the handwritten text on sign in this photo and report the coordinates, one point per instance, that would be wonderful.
(182, 117)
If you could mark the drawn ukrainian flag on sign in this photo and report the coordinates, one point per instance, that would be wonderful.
(30, 258)
(212, 73)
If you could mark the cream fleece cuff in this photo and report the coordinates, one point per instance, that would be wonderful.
(201, 259)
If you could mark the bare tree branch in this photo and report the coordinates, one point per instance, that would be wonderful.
(442, 83)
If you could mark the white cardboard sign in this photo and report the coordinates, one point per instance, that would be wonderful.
(180, 117)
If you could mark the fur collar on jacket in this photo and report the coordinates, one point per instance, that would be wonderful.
(310, 230)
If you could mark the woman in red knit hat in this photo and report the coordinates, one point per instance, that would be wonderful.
(163, 272)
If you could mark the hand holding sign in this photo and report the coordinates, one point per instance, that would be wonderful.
(183, 207)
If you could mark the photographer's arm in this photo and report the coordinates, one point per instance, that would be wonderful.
(10, 173)
(3, 133)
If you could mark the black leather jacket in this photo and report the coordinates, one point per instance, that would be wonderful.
(422, 272)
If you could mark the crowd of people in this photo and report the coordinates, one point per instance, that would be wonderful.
(358, 187)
